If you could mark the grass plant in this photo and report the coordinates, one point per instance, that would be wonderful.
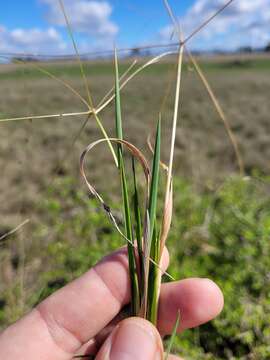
(173, 335)
(145, 250)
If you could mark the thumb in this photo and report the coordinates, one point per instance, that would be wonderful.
(133, 338)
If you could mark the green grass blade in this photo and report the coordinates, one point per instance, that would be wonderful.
(135, 294)
(137, 211)
(138, 227)
(154, 180)
(172, 338)
(153, 279)
(146, 263)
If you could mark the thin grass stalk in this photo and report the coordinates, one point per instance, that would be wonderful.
(101, 106)
(56, 78)
(133, 271)
(18, 227)
(169, 189)
(173, 19)
(22, 272)
(153, 285)
(154, 279)
(155, 179)
(206, 22)
(173, 336)
(118, 112)
(149, 63)
(146, 263)
(70, 33)
(121, 78)
(47, 116)
(205, 81)
(138, 230)
(220, 112)
(82, 127)
(168, 204)
(91, 104)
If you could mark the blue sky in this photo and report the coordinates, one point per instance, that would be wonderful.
(37, 26)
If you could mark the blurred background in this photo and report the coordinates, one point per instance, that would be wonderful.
(51, 232)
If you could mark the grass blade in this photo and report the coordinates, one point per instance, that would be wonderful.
(135, 294)
(137, 211)
(154, 180)
(220, 112)
(169, 188)
(172, 338)
(133, 273)
(146, 265)
(138, 228)
(153, 279)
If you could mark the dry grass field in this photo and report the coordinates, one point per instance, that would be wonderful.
(34, 153)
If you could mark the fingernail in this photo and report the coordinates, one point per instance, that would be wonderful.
(136, 339)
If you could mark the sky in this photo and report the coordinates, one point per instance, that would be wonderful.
(38, 26)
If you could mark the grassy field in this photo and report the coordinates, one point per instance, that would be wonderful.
(40, 181)
(32, 152)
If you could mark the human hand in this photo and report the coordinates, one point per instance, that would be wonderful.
(71, 321)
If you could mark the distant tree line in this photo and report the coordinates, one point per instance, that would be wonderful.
(142, 52)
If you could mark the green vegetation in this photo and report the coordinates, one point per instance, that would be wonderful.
(67, 69)
(222, 235)
(93, 68)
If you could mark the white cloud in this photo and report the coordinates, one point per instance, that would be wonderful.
(86, 16)
(243, 23)
(30, 40)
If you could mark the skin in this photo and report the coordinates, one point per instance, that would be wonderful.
(75, 319)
